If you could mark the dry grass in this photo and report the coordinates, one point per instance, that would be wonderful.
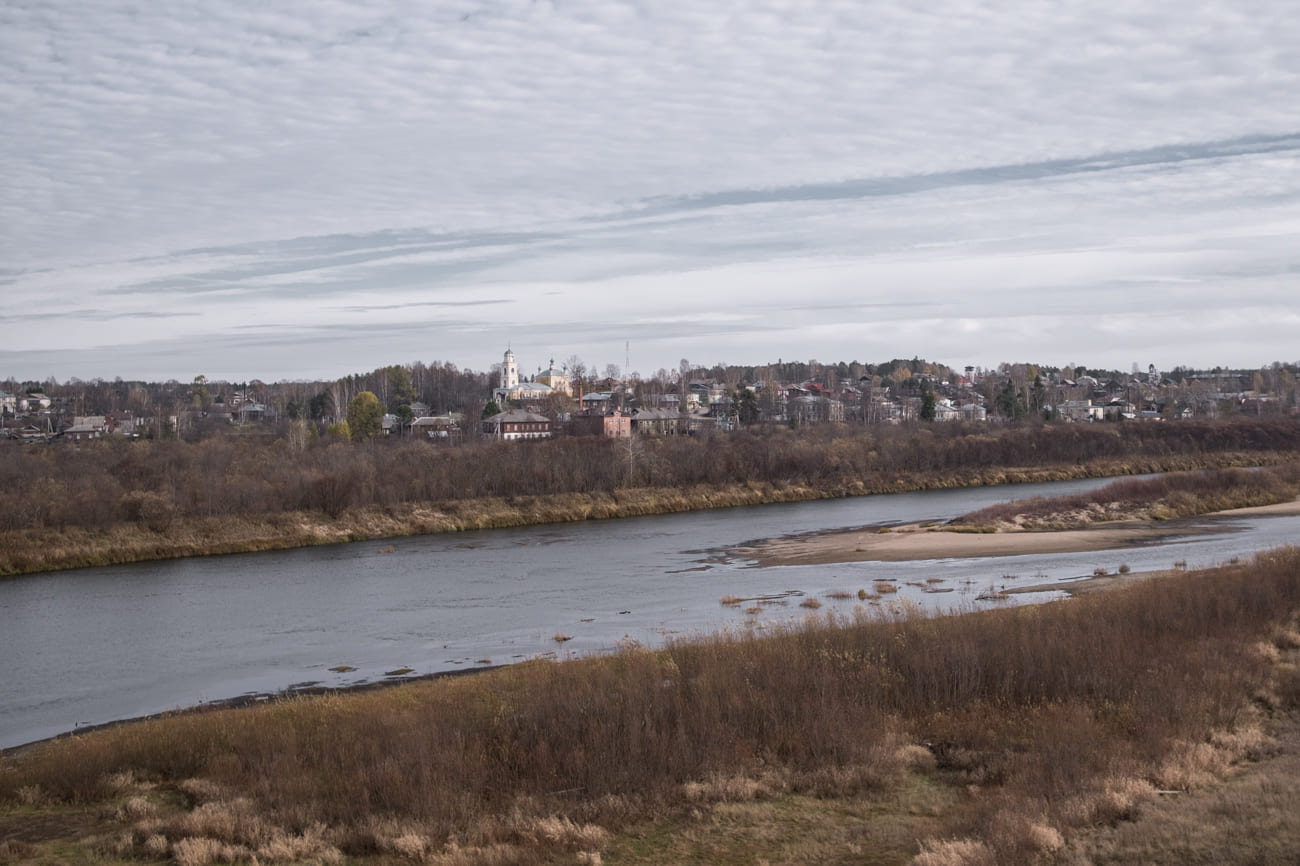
(1033, 727)
(956, 852)
(1175, 494)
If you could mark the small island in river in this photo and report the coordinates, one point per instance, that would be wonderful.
(1126, 513)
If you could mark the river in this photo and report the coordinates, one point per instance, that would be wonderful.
(95, 645)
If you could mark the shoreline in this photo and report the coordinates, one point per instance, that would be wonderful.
(37, 551)
(916, 541)
(255, 699)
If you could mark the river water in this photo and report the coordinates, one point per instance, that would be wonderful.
(95, 645)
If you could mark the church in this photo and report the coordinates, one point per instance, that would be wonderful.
(544, 384)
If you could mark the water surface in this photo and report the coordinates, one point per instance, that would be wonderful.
(100, 644)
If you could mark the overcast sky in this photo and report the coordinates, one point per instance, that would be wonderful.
(298, 190)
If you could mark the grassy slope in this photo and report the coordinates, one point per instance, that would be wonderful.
(1033, 734)
(35, 550)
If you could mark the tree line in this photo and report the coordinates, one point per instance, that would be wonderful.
(155, 482)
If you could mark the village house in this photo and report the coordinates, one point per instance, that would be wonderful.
(34, 402)
(122, 424)
(598, 402)
(669, 401)
(517, 424)
(613, 425)
(86, 427)
(657, 422)
(445, 428)
(1081, 410)
(251, 411)
(814, 408)
(944, 410)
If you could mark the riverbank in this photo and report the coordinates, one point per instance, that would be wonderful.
(924, 541)
(1122, 514)
(41, 549)
(925, 740)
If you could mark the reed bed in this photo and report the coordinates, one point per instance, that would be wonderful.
(1044, 720)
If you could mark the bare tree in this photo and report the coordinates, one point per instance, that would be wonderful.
(577, 370)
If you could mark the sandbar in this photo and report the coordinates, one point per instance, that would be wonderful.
(915, 541)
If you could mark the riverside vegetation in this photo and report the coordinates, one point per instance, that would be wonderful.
(112, 501)
(1169, 496)
(1156, 723)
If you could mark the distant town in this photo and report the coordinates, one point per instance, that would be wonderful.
(445, 405)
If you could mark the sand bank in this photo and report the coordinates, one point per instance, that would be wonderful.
(925, 541)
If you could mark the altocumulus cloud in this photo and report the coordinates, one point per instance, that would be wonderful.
(315, 188)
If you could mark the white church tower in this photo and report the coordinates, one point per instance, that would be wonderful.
(509, 372)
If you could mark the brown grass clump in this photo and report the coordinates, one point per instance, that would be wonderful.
(202, 790)
(1191, 765)
(16, 851)
(411, 846)
(155, 845)
(810, 603)
(883, 588)
(135, 808)
(201, 851)
(728, 789)
(1286, 639)
(1107, 801)
(955, 852)
(916, 758)
(1017, 837)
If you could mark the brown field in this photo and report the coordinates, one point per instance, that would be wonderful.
(1153, 724)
